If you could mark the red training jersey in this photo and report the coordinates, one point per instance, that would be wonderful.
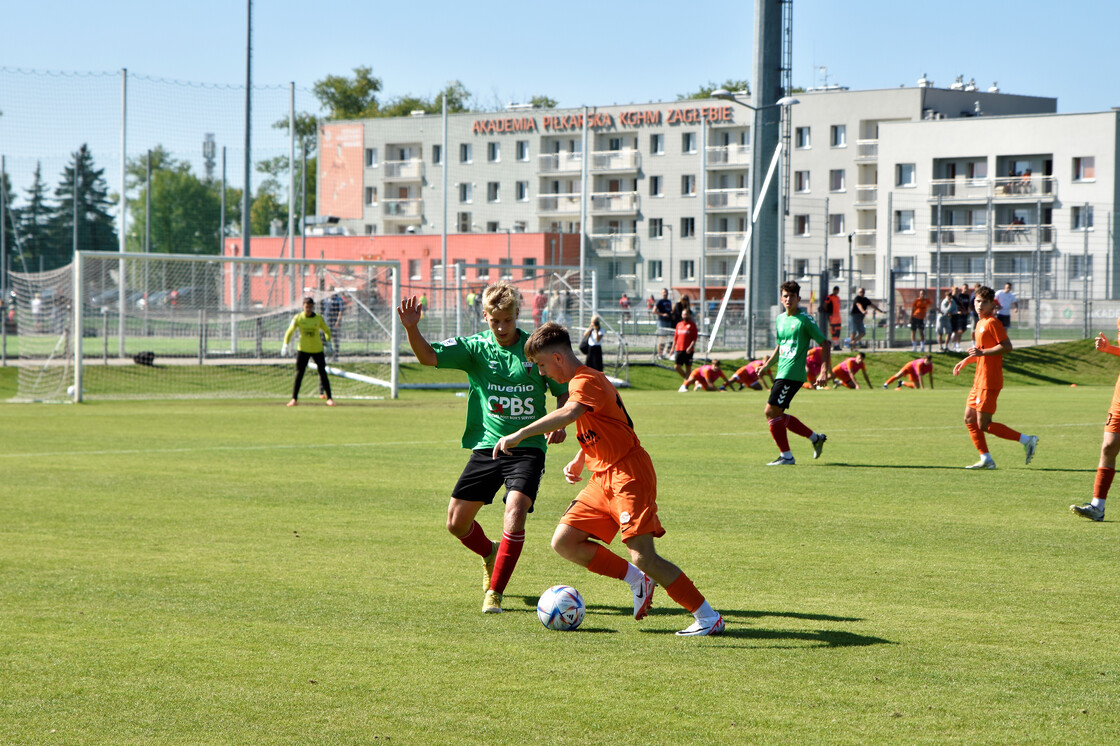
(684, 335)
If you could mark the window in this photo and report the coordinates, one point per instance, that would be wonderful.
(655, 187)
(904, 265)
(505, 270)
(530, 263)
(836, 224)
(800, 267)
(657, 145)
(1084, 168)
(688, 227)
(838, 136)
(371, 158)
(688, 185)
(466, 153)
(800, 181)
(371, 195)
(688, 142)
(493, 152)
(904, 175)
(414, 269)
(491, 226)
(435, 270)
(614, 143)
(903, 221)
(437, 154)
(688, 269)
(464, 222)
(1081, 266)
(492, 192)
(653, 269)
(836, 182)
(656, 228)
(801, 225)
(370, 229)
(802, 138)
(1082, 217)
(483, 268)
(522, 150)
(522, 190)
(978, 169)
(466, 192)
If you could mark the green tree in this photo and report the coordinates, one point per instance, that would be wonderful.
(458, 98)
(705, 91)
(543, 102)
(349, 98)
(185, 213)
(267, 206)
(96, 231)
(32, 237)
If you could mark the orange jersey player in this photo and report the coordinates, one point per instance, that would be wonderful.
(989, 342)
(749, 376)
(621, 494)
(1110, 444)
(705, 377)
(844, 374)
(914, 370)
(814, 359)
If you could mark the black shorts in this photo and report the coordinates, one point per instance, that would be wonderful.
(683, 358)
(918, 325)
(782, 392)
(483, 475)
(960, 322)
(1005, 320)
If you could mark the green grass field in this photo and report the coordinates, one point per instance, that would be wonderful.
(240, 572)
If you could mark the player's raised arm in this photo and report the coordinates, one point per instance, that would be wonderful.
(410, 312)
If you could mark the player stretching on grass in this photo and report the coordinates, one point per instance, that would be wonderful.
(914, 370)
(1110, 445)
(705, 377)
(622, 491)
(844, 374)
(749, 377)
(506, 392)
(989, 342)
(309, 324)
(796, 330)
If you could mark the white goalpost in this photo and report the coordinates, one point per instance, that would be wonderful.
(154, 326)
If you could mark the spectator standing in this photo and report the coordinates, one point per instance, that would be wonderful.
(624, 308)
(594, 338)
(857, 330)
(664, 310)
(832, 312)
(946, 311)
(685, 335)
(918, 321)
(1005, 300)
(540, 305)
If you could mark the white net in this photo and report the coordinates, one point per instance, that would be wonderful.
(166, 326)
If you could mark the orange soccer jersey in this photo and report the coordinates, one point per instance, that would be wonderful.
(605, 432)
(1112, 424)
(989, 368)
(921, 306)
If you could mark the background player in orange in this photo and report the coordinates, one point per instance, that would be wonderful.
(918, 313)
(684, 343)
(705, 377)
(814, 359)
(1110, 444)
(989, 342)
(622, 491)
(832, 311)
(914, 370)
(749, 376)
(844, 374)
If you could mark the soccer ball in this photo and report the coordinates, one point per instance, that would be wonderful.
(560, 608)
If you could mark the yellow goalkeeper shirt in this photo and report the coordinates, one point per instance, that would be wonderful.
(309, 328)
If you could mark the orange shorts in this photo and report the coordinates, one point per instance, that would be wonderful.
(622, 497)
(1112, 423)
(983, 400)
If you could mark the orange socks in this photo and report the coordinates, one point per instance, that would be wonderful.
(1103, 482)
(1003, 431)
(683, 591)
(978, 438)
(607, 563)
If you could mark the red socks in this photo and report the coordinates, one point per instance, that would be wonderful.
(1103, 482)
(778, 433)
(476, 541)
(795, 426)
(508, 552)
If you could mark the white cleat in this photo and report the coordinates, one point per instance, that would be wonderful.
(984, 463)
(782, 461)
(1031, 446)
(706, 627)
(643, 597)
(1088, 510)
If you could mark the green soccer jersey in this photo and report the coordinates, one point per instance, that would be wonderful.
(507, 391)
(794, 334)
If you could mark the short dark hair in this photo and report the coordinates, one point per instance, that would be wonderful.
(791, 287)
(547, 335)
(985, 293)
(308, 299)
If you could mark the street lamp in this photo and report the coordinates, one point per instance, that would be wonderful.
(749, 291)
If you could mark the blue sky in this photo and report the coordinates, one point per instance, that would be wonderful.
(578, 52)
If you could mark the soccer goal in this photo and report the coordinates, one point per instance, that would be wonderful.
(152, 326)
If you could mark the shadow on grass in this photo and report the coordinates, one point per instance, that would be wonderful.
(818, 638)
(845, 465)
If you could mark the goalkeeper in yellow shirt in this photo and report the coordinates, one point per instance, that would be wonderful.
(310, 347)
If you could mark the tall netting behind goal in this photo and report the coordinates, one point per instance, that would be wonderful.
(149, 326)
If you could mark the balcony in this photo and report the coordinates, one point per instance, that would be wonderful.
(626, 159)
(559, 163)
(729, 155)
(729, 199)
(867, 195)
(726, 242)
(1003, 189)
(1011, 237)
(614, 202)
(613, 245)
(958, 237)
(867, 150)
(558, 204)
(402, 209)
(412, 170)
(865, 238)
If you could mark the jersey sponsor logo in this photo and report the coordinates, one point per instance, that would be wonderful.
(624, 517)
(449, 342)
(512, 406)
(588, 438)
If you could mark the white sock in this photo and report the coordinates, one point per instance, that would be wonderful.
(705, 613)
(633, 575)
(1023, 438)
(814, 437)
(787, 454)
(1098, 502)
(985, 457)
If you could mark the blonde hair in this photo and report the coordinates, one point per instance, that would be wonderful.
(501, 296)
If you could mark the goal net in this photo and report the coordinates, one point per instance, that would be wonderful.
(150, 326)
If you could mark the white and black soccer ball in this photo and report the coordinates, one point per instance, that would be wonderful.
(561, 608)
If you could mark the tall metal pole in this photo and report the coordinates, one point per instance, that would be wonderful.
(583, 195)
(124, 214)
(246, 199)
(303, 198)
(1085, 223)
(3, 262)
(443, 232)
(292, 185)
(1037, 270)
(148, 232)
(702, 308)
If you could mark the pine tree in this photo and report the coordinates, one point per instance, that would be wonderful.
(96, 231)
(33, 238)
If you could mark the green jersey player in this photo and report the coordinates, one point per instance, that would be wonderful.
(796, 332)
(507, 392)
